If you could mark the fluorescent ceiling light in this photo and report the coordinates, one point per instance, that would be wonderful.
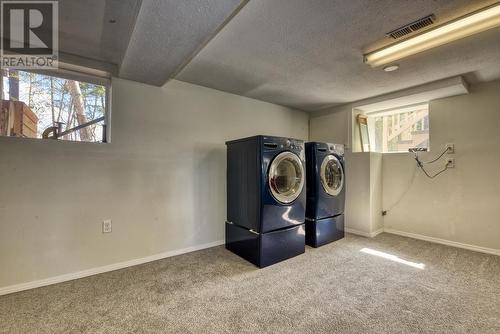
(465, 26)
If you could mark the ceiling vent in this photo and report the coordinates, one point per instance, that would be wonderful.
(411, 27)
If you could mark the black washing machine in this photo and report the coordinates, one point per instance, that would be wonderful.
(325, 193)
(266, 199)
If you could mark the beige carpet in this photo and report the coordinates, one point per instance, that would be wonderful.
(334, 289)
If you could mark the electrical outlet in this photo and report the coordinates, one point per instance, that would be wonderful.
(450, 148)
(450, 163)
(107, 226)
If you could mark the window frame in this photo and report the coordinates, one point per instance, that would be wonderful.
(90, 76)
(394, 111)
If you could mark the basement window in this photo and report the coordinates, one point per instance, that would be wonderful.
(399, 129)
(55, 105)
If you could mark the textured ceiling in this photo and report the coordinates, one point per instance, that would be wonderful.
(168, 33)
(308, 54)
(85, 30)
(149, 40)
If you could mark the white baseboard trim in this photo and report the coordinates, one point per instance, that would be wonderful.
(121, 265)
(377, 232)
(99, 270)
(444, 242)
(364, 234)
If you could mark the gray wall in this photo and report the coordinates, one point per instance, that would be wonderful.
(364, 193)
(331, 127)
(462, 204)
(161, 181)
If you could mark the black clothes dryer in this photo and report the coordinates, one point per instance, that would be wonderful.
(266, 199)
(325, 193)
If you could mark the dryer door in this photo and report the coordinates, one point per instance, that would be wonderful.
(286, 177)
(332, 175)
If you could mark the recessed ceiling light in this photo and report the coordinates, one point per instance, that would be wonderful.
(391, 68)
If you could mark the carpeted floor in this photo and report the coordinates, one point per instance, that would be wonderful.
(334, 289)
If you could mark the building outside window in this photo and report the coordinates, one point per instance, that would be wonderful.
(399, 129)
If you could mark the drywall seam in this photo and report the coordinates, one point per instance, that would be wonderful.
(444, 242)
(99, 270)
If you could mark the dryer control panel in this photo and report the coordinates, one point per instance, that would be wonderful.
(336, 148)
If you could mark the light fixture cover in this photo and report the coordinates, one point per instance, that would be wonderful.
(391, 68)
(468, 25)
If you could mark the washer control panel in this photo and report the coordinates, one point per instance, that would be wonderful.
(290, 144)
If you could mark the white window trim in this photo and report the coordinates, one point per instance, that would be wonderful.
(83, 74)
(397, 110)
(387, 112)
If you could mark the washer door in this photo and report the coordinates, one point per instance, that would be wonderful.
(286, 177)
(332, 175)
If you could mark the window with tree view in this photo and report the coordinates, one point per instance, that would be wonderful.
(36, 105)
(401, 129)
